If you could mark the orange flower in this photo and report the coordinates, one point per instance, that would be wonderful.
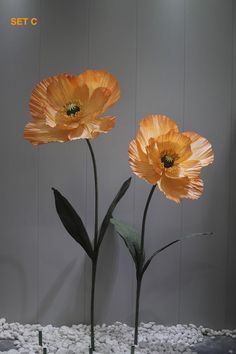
(162, 155)
(67, 107)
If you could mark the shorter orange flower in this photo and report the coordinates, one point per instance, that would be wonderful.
(162, 155)
(67, 107)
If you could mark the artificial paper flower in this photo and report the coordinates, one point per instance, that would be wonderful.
(162, 155)
(67, 107)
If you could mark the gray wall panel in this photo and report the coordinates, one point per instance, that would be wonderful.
(64, 48)
(231, 264)
(18, 251)
(207, 111)
(160, 91)
(109, 23)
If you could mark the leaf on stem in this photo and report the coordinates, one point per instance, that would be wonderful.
(154, 254)
(72, 222)
(131, 238)
(110, 210)
(147, 263)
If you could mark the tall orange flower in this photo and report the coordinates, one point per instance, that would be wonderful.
(67, 107)
(162, 155)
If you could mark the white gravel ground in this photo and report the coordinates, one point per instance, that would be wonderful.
(116, 338)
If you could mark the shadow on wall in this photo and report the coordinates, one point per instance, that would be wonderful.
(70, 308)
(106, 278)
(107, 270)
(15, 289)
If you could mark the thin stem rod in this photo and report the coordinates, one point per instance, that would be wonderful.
(145, 215)
(94, 260)
(138, 289)
(96, 191)
(138, 276)
(94, 269)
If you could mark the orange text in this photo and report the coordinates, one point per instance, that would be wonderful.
(23, 21)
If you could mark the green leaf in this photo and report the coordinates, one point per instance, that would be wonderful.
(210, 233)
(110, 210)
(154, 254)
(170, 244)
(131, 238)
(72, 222)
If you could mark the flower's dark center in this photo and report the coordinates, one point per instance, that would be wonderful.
(72, 109)
(168, 161)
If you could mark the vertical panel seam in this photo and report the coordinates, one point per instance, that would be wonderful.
(227, 265)
(183, 126)
(135, 119)
(86, 162)
(37, 182)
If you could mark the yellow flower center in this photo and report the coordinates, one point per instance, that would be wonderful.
(71, 109)
(167, 160)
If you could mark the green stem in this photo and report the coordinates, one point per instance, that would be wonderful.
(138, 289)
(94, 261)
(145, 215)
(96, 192)
(94, 269)
(138, 276)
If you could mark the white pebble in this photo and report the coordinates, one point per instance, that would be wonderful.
(116, 338)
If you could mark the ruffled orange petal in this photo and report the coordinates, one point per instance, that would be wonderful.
(135, 151)
(102, 125)
(187, 168)
(81, 132)
(140, 163)
(98, 101)
(93, 128)
(40, 133)
(154, 156)
(175, 144)
(98, 78)
(80, 94)
(61, 92)
(50, 116)
(38, 99)
(201, 149)
(153, 126)
(178, 188)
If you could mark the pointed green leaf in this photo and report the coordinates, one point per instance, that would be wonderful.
(110, 210)
(155, 253)
(131, 238)
(198, 234)
(72, 222)
(170, 244)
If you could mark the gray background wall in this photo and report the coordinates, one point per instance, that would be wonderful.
(171, 57)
